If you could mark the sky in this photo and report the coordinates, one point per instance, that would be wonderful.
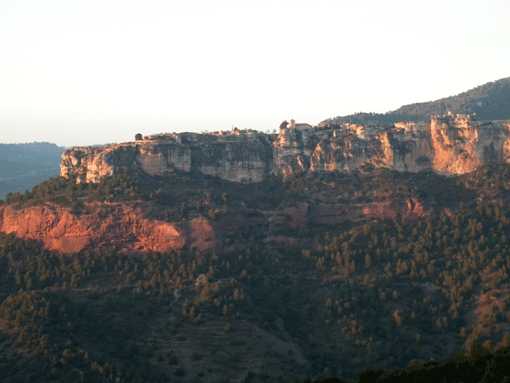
(86, 72)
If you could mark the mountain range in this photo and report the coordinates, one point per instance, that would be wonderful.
(23, 166)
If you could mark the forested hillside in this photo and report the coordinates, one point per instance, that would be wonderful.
(287, 298)
(490, 101)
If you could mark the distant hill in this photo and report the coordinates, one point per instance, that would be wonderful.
(490, 102)
(23, 166)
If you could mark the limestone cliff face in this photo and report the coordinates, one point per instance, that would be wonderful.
(235, 156)
(452, 144)
(461, 145)
(403, 147)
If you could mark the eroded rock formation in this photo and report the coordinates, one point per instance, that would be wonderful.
(452, 144)
(243, 156)
(120, 226)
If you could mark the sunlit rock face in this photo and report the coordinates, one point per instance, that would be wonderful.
(451, 144)
(241, 156)
(462, 145)
(124, 227)
(401, 147)
(293, 148)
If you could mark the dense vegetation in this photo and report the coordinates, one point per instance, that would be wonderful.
(369, 299)
(177, 196)
(489, 101)
(395, 281)
(478, 365)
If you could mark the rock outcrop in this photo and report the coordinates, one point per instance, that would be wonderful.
(121, 226)
(451, 144)
(243, 156)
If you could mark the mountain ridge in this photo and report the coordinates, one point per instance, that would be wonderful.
(25, 165)
(449, 144)
(489, 101)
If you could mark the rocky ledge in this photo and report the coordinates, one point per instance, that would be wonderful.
(451, 144)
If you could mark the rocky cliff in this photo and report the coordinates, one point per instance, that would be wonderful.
(451, 144)
(243, 156)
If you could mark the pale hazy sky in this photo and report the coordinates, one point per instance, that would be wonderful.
(82, 72)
